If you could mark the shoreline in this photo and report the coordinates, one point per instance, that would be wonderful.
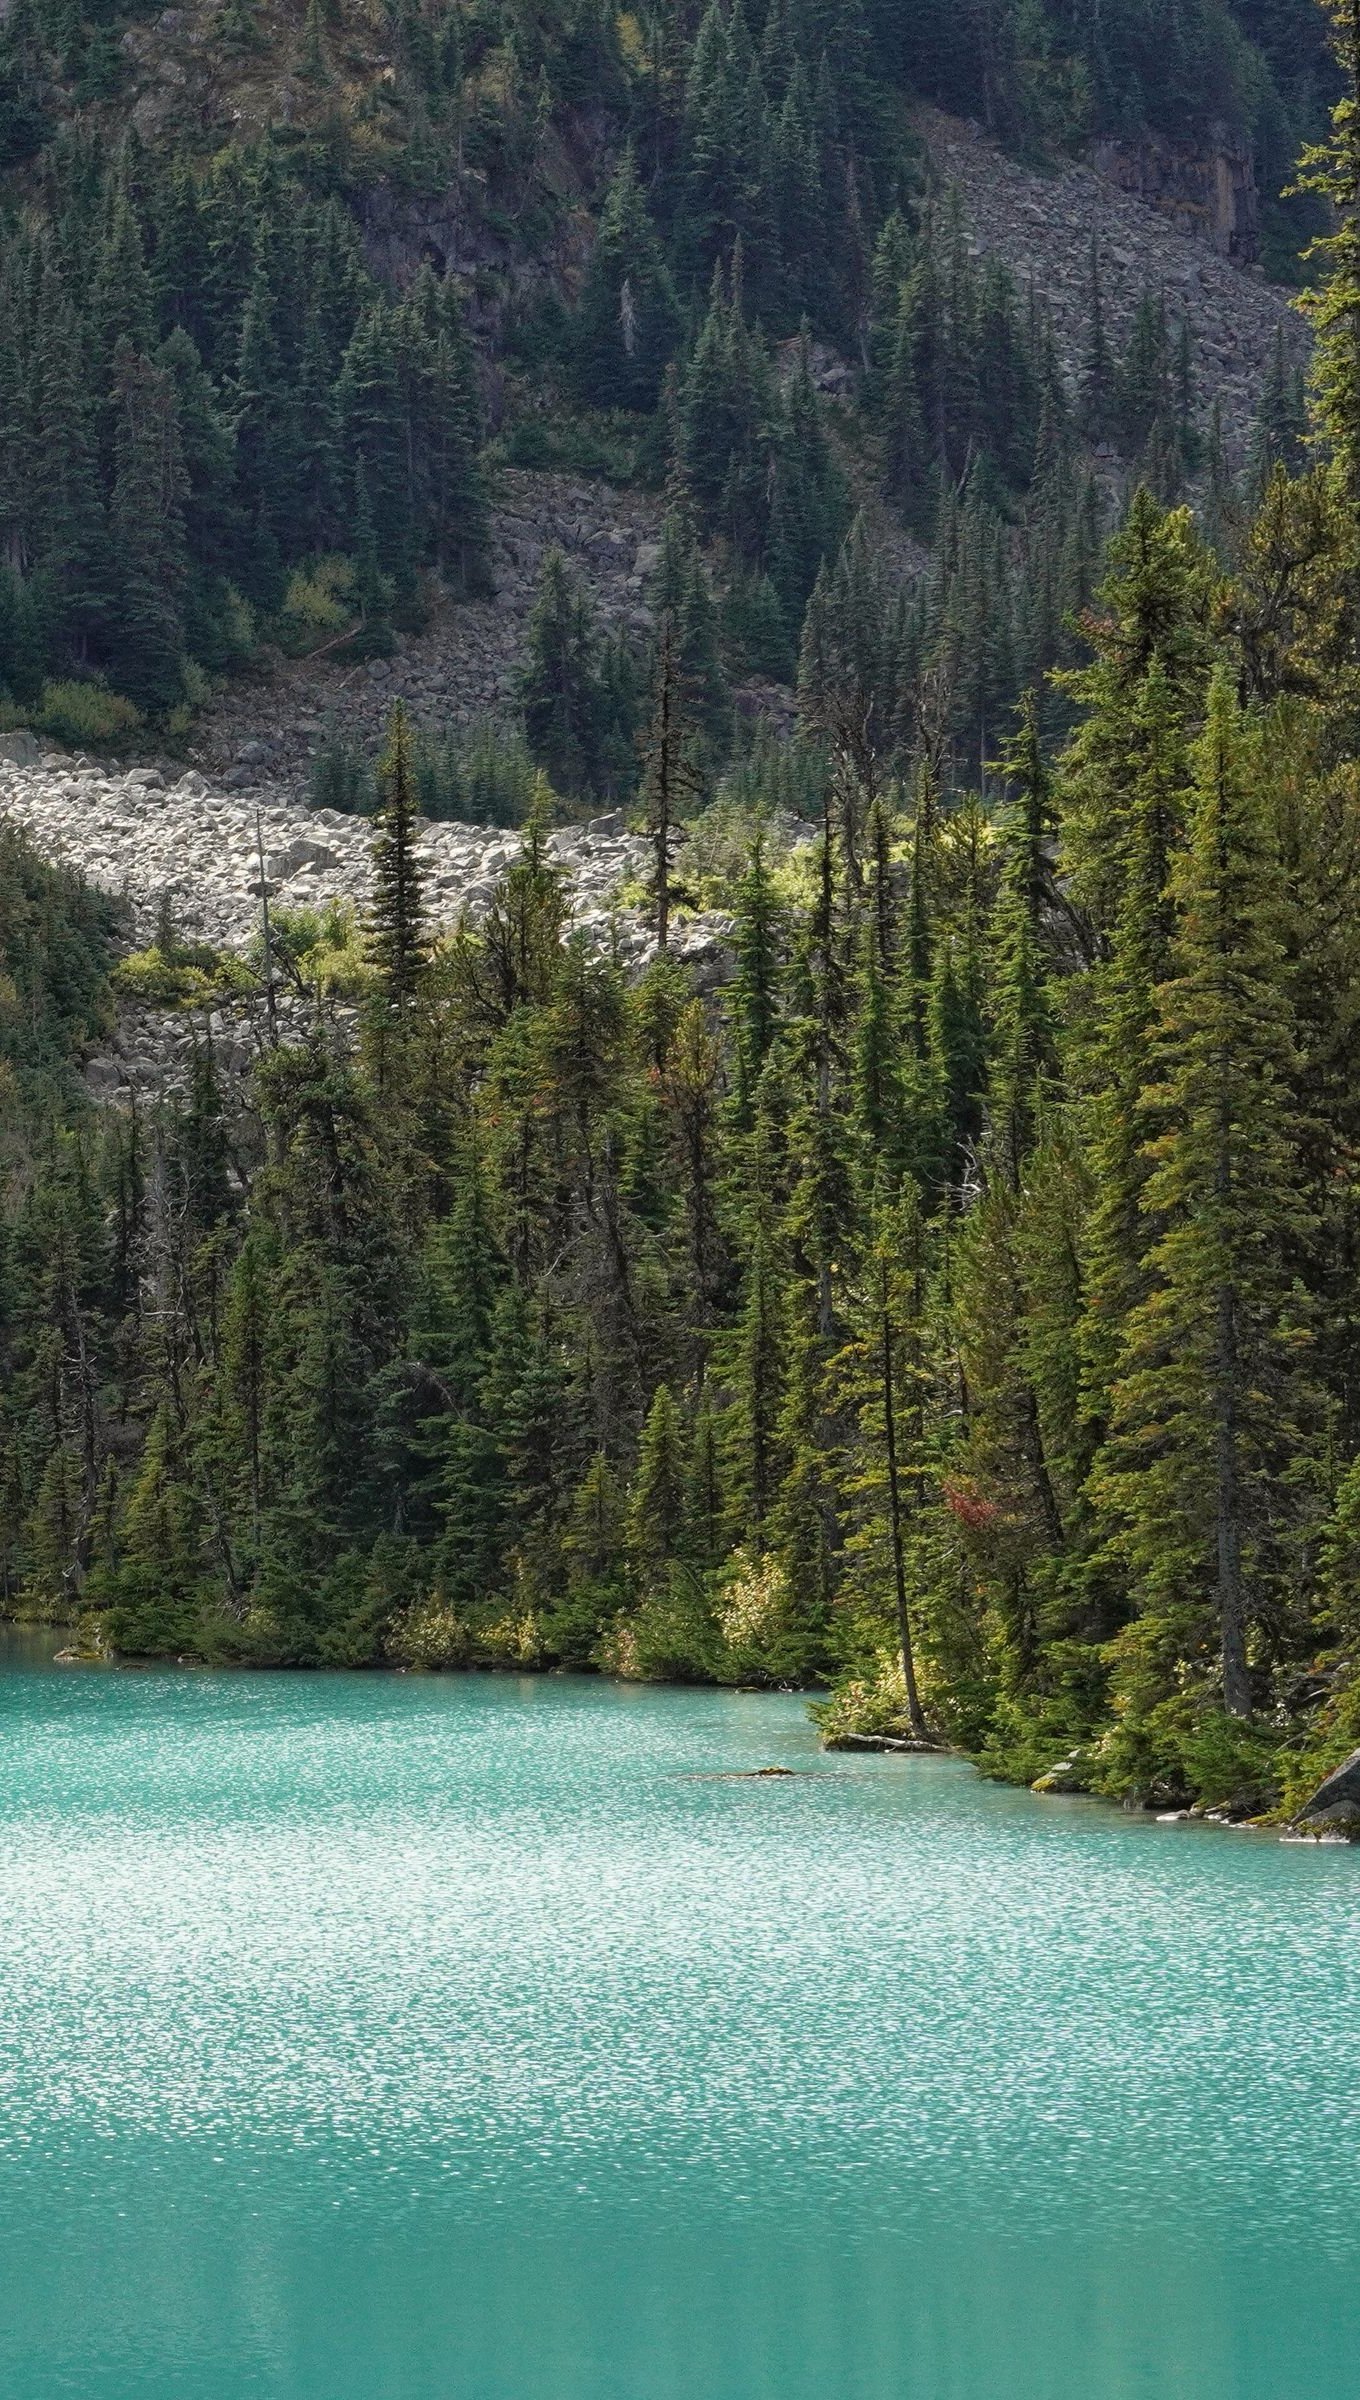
(1294, 1832)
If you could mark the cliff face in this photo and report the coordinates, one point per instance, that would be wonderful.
(1209, 195)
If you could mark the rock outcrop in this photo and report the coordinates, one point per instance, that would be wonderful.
(1337, 1801)
(1209, 194)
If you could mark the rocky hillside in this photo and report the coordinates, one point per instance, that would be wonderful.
(464, 667)
(200, 849)
(1045, 228)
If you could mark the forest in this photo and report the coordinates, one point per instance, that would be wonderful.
(957, 1314)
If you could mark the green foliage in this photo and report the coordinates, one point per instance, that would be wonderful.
(627, 320)
(180, 976)
(79, 713)
(202, 434)
(578, 695)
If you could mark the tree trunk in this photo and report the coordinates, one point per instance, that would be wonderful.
(915, 1712)
(1231, 1608)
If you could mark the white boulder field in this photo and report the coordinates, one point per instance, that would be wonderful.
(132, 834)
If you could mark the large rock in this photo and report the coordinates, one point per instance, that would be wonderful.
(280, 864)
(1339, 1797)
(19, 749)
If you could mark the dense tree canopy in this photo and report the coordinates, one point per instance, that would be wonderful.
(957, 1308)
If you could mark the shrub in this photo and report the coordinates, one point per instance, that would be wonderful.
(318, 603)
(430, 1634)
(671, 1638)
(322, 948)
(82, 714)
(185, 975)
(873, 1703)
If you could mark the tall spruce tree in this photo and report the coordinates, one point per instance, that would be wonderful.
(1213, 1391)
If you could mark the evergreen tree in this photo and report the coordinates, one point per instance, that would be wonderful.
(147, 534)
(560, 690)
(1024, 1050)
(656, 1517)
(1331, 169)
(1213, 1387)
(397, 924)
(628, 320)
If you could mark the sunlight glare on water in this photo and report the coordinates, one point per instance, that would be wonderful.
(381, 2038)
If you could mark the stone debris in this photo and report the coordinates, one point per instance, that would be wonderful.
(130, 835)
(463, 669)
(1040, 226)
(134, 835)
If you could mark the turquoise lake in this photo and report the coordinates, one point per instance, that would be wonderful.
(382, 2038)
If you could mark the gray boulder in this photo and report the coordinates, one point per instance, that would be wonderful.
(280, 864)
(19, 749)
(1339, 1796)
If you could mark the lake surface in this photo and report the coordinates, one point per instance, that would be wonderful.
(381, 2038)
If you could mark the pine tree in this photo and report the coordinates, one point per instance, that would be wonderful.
(672, 773)
(1279, 428)
(1213, 1390)
(374, 427)
(559, 687)
(69, 526)
(1023, 1045)
(656, 1514)
(397, 922)
(1155, 613)
(628, 320)
(755, 1381)
(1115, 1055)
(1098, 371)
(884, 1375)
(147, 534)
(1332, 170)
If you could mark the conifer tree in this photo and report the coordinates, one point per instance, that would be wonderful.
(147, 533)
(1098, 372)
(672, 773)
(885, 1378)
(1213, 1387)
(656, 1517)
(560, 691)
(69, 525)
(753, 1002)
(1023, 1046)
(1332, 170)
(628, 319)
(397, 923)
(1115, 1056)
(755, 1382)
